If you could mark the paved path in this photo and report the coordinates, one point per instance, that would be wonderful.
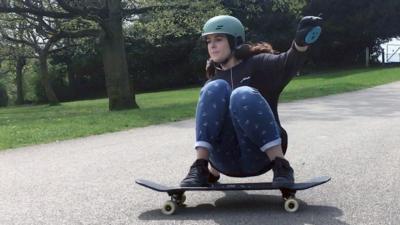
(352, 137)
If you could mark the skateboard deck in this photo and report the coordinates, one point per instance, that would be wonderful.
(178, 197)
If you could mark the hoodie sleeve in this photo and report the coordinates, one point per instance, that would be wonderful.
(273, 72)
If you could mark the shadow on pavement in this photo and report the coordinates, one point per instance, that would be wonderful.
(244, 208)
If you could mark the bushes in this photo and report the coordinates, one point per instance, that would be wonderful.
(170, 65)
(86, 82)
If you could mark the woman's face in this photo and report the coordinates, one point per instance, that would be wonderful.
(218, 47)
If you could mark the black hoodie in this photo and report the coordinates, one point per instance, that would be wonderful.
(269, 74)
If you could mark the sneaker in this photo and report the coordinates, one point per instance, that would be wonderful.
(283, 172)
(198, 175)
(212, 179)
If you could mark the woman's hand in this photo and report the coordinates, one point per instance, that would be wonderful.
(300, 48)
(308, 31)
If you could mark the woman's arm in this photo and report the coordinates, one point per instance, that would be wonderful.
(275, 71)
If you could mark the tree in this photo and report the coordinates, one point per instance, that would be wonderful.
(17, 53)
(273, 21)
(42, 33)
(81, 61)
(108, 14)
(164, 47)
(352, 25)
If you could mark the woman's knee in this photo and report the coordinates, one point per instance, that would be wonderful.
(218, 86)
(242, 95)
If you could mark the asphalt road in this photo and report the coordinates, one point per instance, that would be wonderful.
(352, 137)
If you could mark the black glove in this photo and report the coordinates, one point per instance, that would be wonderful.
(308, 30)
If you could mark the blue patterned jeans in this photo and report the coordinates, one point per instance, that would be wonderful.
(236, 127)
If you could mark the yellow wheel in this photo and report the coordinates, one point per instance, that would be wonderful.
(291, 205)
(168, 208)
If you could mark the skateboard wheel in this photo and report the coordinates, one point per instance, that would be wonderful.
(168, 208)
(291, 205)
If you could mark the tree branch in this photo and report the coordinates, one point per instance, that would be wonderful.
(53, 51)
(70, 9)
(136, 11)
(133, 11)
(90, 13)
(81, 33)
(43, 23)
(8, 38)
(35, 11)
(32, 36)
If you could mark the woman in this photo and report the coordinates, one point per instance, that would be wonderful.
(237, 125)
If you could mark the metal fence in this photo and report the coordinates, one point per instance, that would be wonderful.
(391, 53)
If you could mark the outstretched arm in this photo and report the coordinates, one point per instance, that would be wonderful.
(278, 70)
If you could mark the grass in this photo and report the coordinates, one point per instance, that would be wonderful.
(329, 83)
(27, 125)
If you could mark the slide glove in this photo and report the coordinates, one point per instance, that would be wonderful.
(308, 30)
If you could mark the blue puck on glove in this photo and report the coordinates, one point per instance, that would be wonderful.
(313, 35)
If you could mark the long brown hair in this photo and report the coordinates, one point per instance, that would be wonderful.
(243, 52)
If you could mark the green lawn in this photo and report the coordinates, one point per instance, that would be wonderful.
(27, 125)
(337, 82)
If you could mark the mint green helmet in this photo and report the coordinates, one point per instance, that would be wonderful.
(224, 24)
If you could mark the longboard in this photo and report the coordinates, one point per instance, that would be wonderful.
(178, 197)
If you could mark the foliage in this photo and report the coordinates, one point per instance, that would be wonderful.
(352, 25)
(163, 46)
(88, 77)
(82, 68)
(161, 25)
(273, 21)
(35, 24)
(58, 82)
(162, 38)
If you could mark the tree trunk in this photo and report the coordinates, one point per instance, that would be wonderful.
(114, 59)
(72, 83)
(45, 80)
(21, 61)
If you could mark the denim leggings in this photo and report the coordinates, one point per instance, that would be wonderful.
(236, 127)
